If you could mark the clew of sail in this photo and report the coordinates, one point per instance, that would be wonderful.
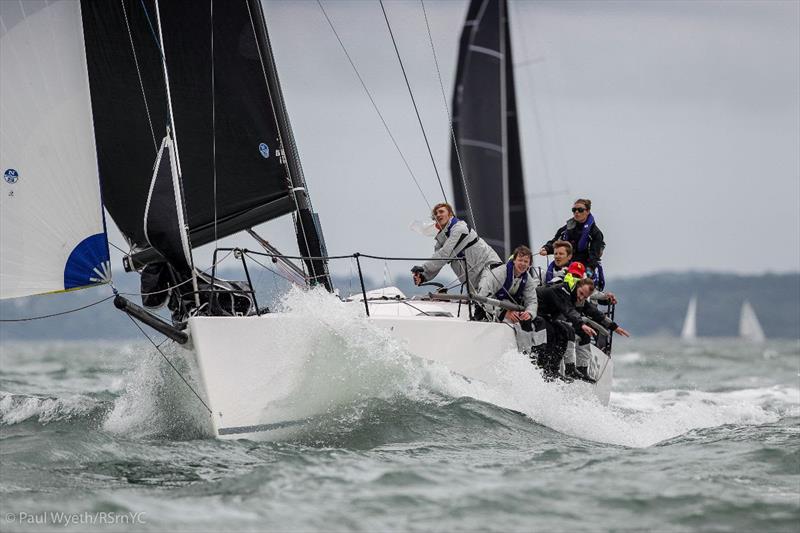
(52, 231)
(486, 161)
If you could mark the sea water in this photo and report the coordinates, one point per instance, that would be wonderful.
(704, 436)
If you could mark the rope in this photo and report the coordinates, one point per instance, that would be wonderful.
(449, 120)
(118, 248)
(259, 263)
(413, 101)
(374, 105)
(157, 347)
(56, 314)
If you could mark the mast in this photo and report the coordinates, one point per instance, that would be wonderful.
(309, 232)
(502, 30)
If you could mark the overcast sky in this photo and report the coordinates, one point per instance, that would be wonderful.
(680, 120)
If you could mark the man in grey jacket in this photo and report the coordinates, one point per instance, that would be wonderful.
(512, 282)
(456, 239)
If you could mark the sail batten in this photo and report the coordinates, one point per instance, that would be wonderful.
(489, 177)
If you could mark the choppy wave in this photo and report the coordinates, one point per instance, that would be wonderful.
(354, 363)
(19, 408)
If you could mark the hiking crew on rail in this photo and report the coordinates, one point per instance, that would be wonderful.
(456, 239)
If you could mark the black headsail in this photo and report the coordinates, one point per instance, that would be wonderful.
(234, 154)
(486, 130)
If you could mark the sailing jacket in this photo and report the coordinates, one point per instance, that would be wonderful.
(587, 242)
(519, 290)
(459, 240)
(557, 302)
(590, 310)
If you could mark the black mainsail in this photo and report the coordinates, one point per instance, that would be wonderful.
(234, 153)
(486, 162)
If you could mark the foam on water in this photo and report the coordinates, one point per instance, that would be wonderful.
(354, 360)
(156, 403)
(369, 363)
(18, 408)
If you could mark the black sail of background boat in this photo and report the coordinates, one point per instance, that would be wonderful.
(485, 160)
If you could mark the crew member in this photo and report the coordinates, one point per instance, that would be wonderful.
(512, 282)
(586, 240)
(557, 307)
(562, 256)
(456, 240)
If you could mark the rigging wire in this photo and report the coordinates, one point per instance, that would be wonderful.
(413, 101)
(184, 282)
(374, 104)
(157, 347)
(279, 274)
(461, 174)
(139, 75)
(56, 314)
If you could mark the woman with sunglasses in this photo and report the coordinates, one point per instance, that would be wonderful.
(586, 239)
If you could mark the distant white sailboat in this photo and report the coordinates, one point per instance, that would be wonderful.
(749, 327)
(689, 331)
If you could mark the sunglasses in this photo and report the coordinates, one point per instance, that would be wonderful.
(578, 209)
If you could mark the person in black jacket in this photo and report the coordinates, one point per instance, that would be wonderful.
(583, 351)
(586, 240)
(558, 314)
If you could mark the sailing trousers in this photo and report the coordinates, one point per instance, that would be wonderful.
(559, 335)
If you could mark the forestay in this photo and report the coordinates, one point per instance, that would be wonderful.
(52, 231)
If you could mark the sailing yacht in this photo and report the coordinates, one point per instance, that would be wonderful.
(750, 329)
(171, 116)
(689, 330)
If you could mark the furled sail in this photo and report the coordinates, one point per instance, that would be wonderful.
(225, 129)
(487, 145)
(52, 232)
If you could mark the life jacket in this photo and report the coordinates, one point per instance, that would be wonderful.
(458, 246)
(583, 240)
(502, 293)
(599, 278)
(552, 268)
(571, 281)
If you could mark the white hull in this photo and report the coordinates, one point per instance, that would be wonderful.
(257, 371)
